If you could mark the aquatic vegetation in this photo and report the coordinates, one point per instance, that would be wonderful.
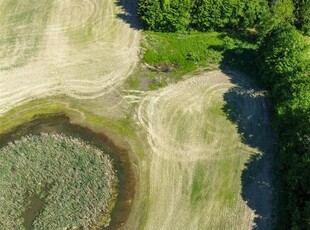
(75, 180)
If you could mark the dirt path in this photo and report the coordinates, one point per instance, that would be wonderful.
(198, 154)
(82, 49)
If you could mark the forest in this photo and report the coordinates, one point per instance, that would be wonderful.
(280, 63)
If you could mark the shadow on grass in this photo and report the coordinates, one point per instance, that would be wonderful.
(130, 13)
(248, 110)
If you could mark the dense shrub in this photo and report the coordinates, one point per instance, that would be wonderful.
(302, 15)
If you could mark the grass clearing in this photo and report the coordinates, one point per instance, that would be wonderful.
(184, 53)
(170, 57)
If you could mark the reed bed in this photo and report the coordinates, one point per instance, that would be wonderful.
(76, 181)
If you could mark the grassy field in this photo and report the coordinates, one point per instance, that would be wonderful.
(18, 44)
(198, 131)
(193, 144)
(78, 48)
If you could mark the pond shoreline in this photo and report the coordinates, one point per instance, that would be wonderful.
(61, 123)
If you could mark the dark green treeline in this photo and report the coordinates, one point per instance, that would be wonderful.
(207, 15)
(202, 15)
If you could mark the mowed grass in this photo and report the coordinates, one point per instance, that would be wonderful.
(22, 29)
(200, 154)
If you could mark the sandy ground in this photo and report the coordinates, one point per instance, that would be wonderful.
(82, 49)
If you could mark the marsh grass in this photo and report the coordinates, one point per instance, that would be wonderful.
(75, 180)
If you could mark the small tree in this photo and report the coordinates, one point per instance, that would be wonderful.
(306, 17)
(281, 54)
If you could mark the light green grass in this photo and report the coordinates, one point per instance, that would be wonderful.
(189, 51)
(199, 185)
(123, 128)
(185, 52)
(49, 106)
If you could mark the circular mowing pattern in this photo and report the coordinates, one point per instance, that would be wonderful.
(75, 180)
(185, 121)
(80, 48)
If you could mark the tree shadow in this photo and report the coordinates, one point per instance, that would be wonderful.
(238, 58)
(246, 107)
(130, 13)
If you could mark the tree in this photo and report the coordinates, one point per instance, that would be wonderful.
(305, 12)
(150, 14)
(203, 15)
(177, 15)
(285, 70)
(281, 54)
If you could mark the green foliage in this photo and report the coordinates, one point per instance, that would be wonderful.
(284, 69)
(76, 182)
(184, 52)
(283, 11)
(295, 12)
(281, 54)
(306, 17)
(149, 14)
(215, 15)
(203, 15)
(187, 52)
(165, 15)
(302, 14)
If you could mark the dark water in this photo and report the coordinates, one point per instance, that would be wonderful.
(36, 204)
(61, 124)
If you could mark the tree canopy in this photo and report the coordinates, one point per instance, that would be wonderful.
(202, 15)
(284, 68)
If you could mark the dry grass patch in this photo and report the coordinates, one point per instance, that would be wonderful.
(79, 48)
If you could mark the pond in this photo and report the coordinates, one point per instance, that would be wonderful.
(60, 123)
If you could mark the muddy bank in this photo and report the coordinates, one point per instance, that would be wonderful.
(60, 123)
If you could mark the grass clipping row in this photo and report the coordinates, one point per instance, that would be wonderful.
(75, 180)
